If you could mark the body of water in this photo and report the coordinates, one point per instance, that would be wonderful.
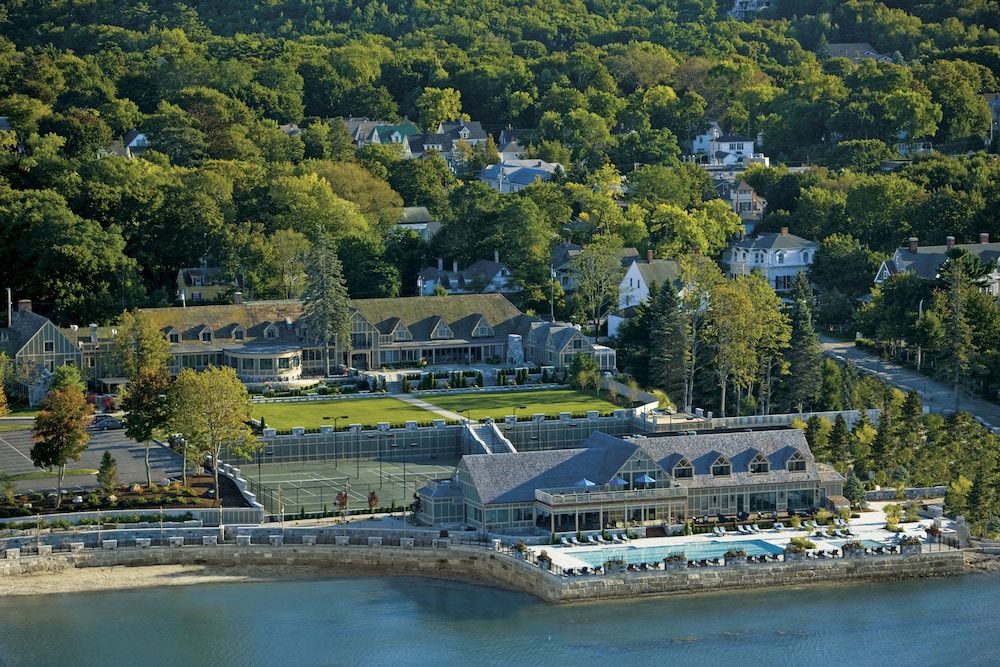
(412, 621)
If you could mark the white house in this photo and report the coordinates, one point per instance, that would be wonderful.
(634, 286)
(779, 257)
(482, 276)
(719, 149)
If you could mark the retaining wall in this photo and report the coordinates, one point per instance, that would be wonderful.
(481, 565)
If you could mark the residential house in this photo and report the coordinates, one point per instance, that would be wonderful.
(514, 175)
(482, 276)
(779, 257)
(562, 262)
(747, 10)
(420, 221)
(926, 261)
(389, 134)
(204, 284)
(509, 147)
(469, 131)
(856, 52)
(34, 342)
(129, 146)
(647, 480)
(742, 199)
(718, 149)
(634, 286)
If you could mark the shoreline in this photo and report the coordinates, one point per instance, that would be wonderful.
(128, 577)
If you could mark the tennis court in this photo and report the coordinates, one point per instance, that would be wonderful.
(314, 487)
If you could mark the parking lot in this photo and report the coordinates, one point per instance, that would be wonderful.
(15, 459)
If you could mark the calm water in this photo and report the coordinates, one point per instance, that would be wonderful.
(409, 621)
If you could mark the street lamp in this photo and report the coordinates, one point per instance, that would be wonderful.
(380, 436)
(514, 427)
(468, 415)
(335, 420)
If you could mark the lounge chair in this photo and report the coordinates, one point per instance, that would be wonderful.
(565, 542)
(744, 530)
(616, 538)
(755, 529)
(625, 538)
(723, 532)
(778, 526)
(575, 541)
(600, 538)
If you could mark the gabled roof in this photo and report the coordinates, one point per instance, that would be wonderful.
(206, 273)
(23, 327)
(773, 241)
(456, 310)
(421, 142)
(733, 138)
(661, 271)
(563, 253)
(472, 129)
(926, 261)
(415, 214)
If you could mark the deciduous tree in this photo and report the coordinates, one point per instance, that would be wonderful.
(60, 432)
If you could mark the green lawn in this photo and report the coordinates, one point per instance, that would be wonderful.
(367, 411)
(499, 404)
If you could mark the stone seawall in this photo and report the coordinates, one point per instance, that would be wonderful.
(484, 566)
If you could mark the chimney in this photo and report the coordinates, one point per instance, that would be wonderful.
(496, 256)
(949, 241)
(93, 333)
(649, 256)
(984, 237)
(237, 297)
(454, 265)
(24, 305)
(784, 231)
(912, 243)
(440, 264)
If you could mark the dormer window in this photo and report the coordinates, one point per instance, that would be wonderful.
(781, 258)
(441, 330)
(206, 336)
(683, 470)
(760, 465)
(722, 467)
(174, 337)
(482, 330)
(239, 334)
(271, 331)
(797, 463)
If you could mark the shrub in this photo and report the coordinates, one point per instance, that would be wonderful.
(675, 557)
(854, 544)
(735, 553)
(909, 541)
(799, 544)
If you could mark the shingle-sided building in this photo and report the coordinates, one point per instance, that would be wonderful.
(34, 341)
(612, 482)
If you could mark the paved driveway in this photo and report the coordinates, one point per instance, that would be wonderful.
(936, 396)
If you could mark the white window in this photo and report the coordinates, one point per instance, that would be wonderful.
(760, 465)
(722, 467)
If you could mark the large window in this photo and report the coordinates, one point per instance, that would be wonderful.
(760, 465)
(683, 470)
(797, 463)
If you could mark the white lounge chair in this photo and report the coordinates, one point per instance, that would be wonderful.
(565, 542)
(600, 539)
(575, 541)
(778, 526)
(592, 540)
(743, 530)
(625, 538)
(616, 538)
(755, 529)
(723, 532)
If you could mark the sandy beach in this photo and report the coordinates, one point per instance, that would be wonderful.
(85, 579)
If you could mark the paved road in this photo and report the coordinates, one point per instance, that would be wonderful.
(936, 396)
(15, 458)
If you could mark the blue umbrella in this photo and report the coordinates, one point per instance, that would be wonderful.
(645, 479)
(617, 481)
(585, 482)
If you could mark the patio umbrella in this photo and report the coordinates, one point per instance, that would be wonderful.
(645, 479)
(617, 481)
(585, 482)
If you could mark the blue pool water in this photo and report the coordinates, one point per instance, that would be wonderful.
(691, 550)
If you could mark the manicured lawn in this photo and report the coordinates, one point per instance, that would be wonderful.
(500, 404)
(367, 411)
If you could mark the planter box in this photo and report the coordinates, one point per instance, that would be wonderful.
(853, 553)
(910, 548)
(675, 564)
(615, 568)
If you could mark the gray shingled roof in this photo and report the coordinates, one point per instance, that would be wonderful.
(774, 241)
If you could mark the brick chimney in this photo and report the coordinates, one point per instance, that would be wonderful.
(649, 256)
(949, 241)
(24, 305)
(784, 231)
(912, 243)
(984, 237)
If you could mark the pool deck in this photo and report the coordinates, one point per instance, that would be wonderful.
(870, 526)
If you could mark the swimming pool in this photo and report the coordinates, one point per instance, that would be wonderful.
(868, 544)
(691, 550)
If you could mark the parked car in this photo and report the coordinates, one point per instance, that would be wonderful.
(109, 424)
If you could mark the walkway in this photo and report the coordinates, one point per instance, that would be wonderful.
(936, 396)
(416, 402)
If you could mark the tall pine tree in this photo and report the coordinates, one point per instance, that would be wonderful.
(327, 312)
(802, 385)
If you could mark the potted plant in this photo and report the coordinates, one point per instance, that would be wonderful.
(735, 556)
(675, 561)
(615, 566)
(853, 549)
(797, 548)
(933, 531)
(521, 548)
(910, 545)
(544, 560)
